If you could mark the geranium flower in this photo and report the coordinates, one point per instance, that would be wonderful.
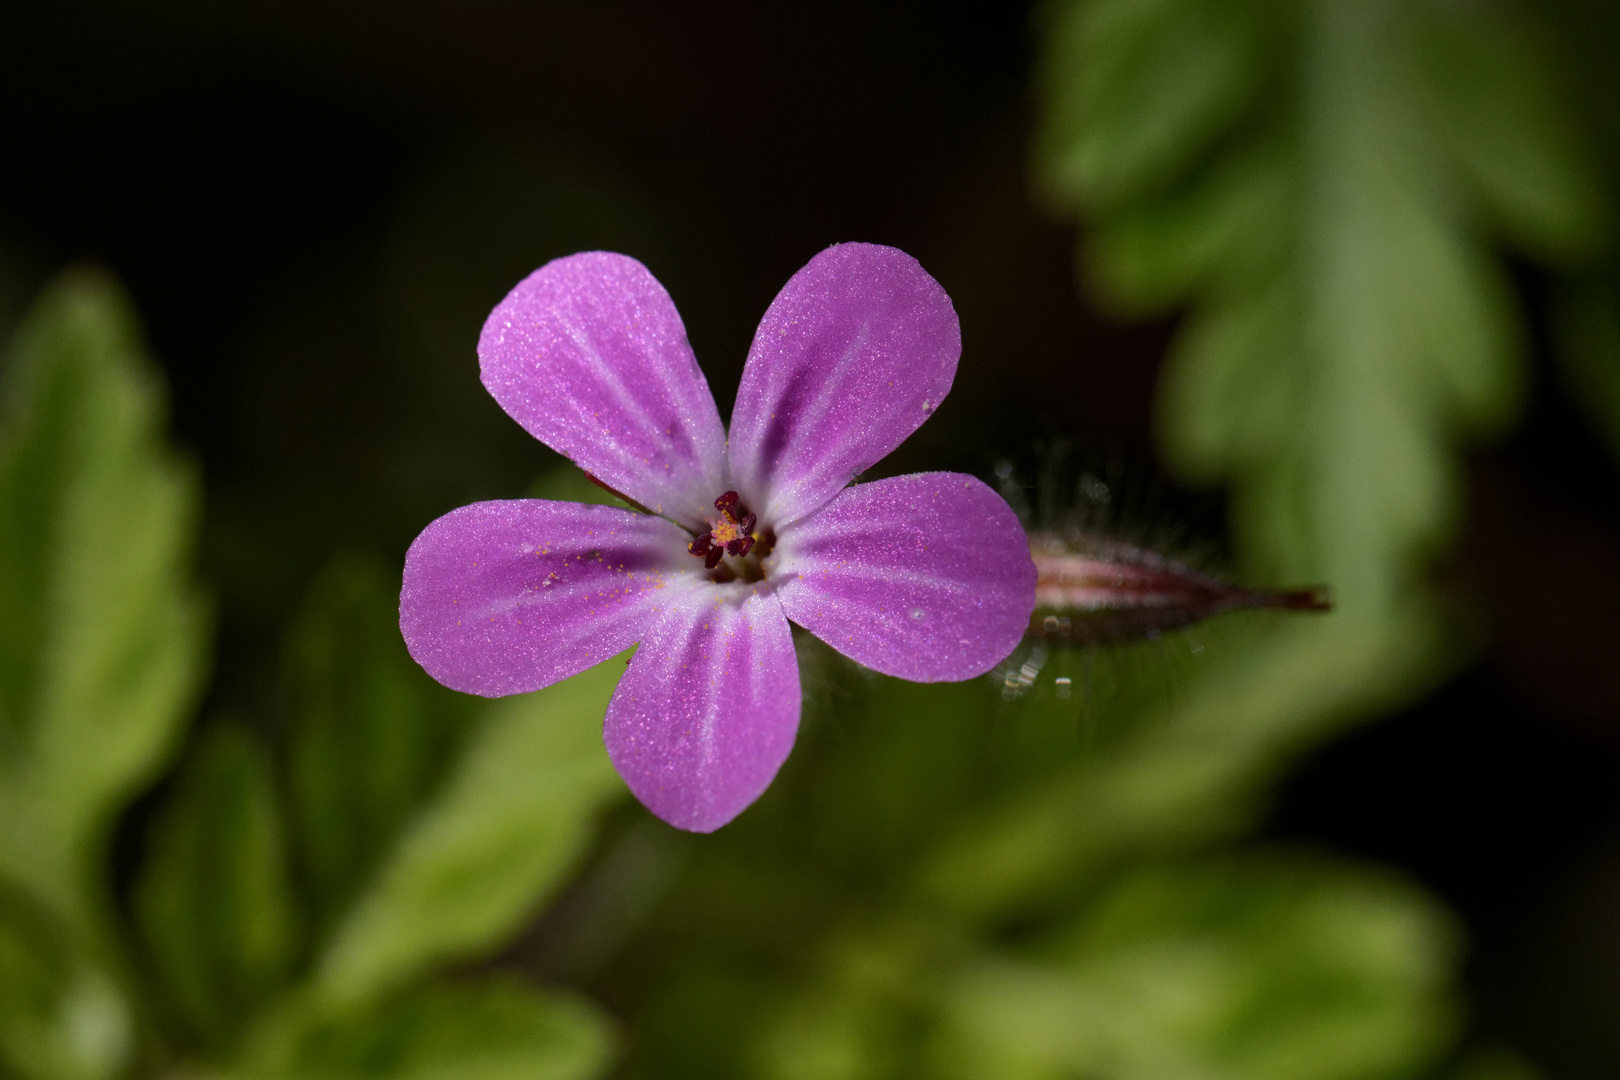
(926, 577)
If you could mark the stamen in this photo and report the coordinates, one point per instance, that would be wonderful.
(731, 534)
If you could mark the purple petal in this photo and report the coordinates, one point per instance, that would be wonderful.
(589, 355)
(854, 354)
(927, 577)
(708, 710)
(505, 597)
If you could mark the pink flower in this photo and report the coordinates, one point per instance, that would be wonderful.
(926, 577)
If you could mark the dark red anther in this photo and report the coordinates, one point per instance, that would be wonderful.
(714, 557)
(748, 523)
(700, 546)
(726, 503)
(742, 545)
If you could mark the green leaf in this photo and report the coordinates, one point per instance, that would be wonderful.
(1263, 966)
(1333, 233)
(493, 1030)
(370, 735)
(1337, 423)
(213, 900)
(1137, 91)
(101, 632)
(1496, 105)
(1252, 970)
(508, 825)
(1224, 234)
(61, 1018)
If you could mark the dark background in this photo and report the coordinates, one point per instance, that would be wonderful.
(314, 205)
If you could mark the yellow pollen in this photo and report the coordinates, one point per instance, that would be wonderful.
(725, 531)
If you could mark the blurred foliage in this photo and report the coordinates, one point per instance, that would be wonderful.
(1322, 182)
(1240, 970)
(368, 735)
(103, 635)
(307, 878)
(1016, 877)
(214, 900)
(100, 658)
(496, 1029)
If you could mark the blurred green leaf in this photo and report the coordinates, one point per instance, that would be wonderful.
(102, 635)
(1276, 967)
(501, 834)
(213, 900)
(1226, 233)
(61, 1018)
(1333, 235)
(493, 1030)
(1136, 91)
(1330, 393)
(1254, 970)
(1498, 107)
(369, 735)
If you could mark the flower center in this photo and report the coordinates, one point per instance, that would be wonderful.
(732, 533)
